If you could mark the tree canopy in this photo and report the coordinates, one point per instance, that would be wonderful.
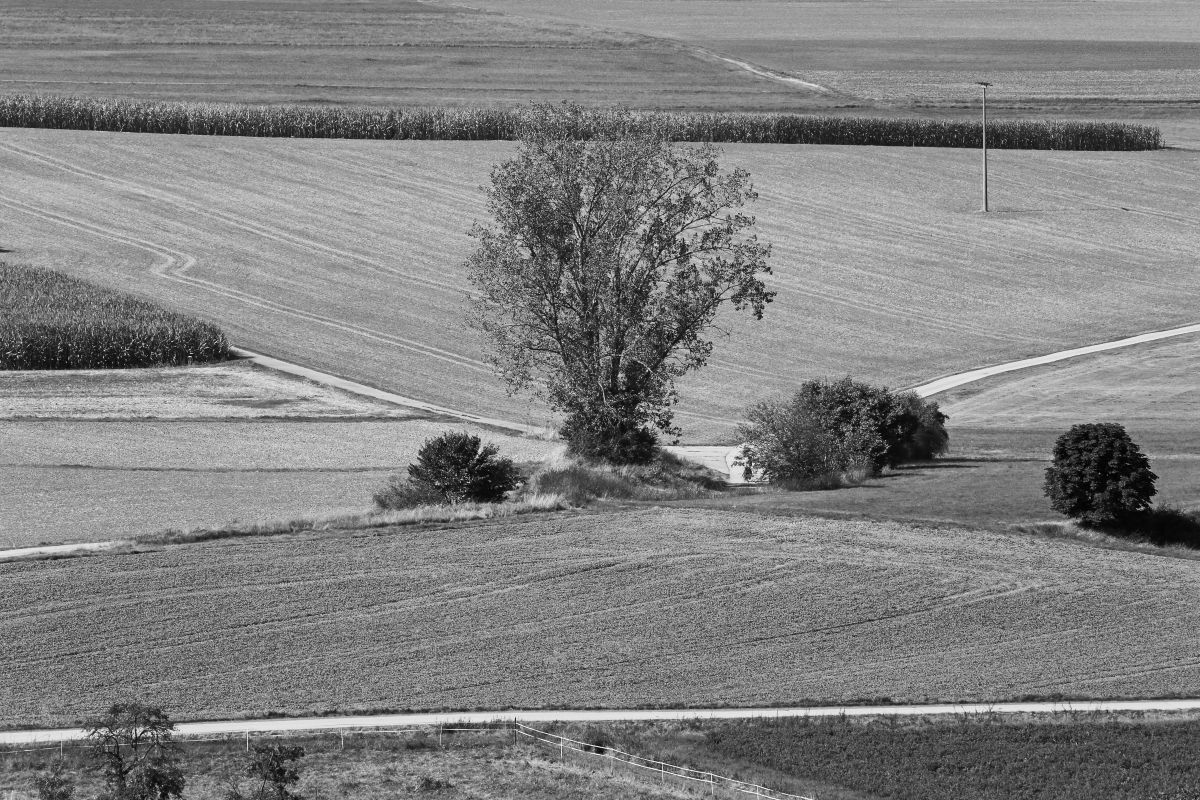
(1099, 475)
(600, 281)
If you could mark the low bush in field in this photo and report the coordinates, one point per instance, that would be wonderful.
(453, 468)
(349, 122)
(1099, 476)
(53, 321)
(832, 433)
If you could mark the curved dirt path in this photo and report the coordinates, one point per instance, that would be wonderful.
(971, 376)
(306, 724)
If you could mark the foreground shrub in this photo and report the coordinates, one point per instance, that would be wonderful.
(365, 122)
(455, 467)
(607, 438)
(275, 770)
(53, 321)
(1099, 476)
(133, 744)
(53, 783)
(830, 433)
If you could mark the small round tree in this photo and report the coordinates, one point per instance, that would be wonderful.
(1099, 476)
(455, 467)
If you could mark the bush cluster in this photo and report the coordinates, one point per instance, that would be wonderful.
(832, 432)
(53, 321)
(364, 122)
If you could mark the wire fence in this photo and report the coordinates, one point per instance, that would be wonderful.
(708, 781)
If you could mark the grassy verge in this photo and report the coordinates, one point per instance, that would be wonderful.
(298, 121)
(581, 482)
(365, 765)
(986, 757)
(420, 515)
(53, 321)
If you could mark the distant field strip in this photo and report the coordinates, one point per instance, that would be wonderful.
(346, 257)
(662, 607)
(474, 124)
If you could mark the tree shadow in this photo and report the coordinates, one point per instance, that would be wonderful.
(1163, 525)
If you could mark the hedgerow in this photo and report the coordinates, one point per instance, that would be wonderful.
(53, 321)
(468, 123)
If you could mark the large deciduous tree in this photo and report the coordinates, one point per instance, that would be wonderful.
(600, 282)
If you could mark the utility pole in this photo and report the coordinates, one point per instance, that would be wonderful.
(984, 85)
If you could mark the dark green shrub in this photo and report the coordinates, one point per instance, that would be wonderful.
(274, 768)
(923, 430)
(607, 438)
(1099, 476)
(400, 492)
(457, 468)
(829, 430)
(794, 442)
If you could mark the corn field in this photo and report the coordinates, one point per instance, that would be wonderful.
(53, 321)
(325, 122)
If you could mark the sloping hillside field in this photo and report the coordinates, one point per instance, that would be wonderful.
(651, 607)
(346, 256)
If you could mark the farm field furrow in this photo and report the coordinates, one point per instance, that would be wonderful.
(650, 607)
(347, 256)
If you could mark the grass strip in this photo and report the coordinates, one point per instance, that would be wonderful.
(419, 515)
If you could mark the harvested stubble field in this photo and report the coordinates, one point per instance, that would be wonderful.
(346, 256)
(97, 455)
(650, 607)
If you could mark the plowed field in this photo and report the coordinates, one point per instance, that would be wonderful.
(617, 609)
(346, 256)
